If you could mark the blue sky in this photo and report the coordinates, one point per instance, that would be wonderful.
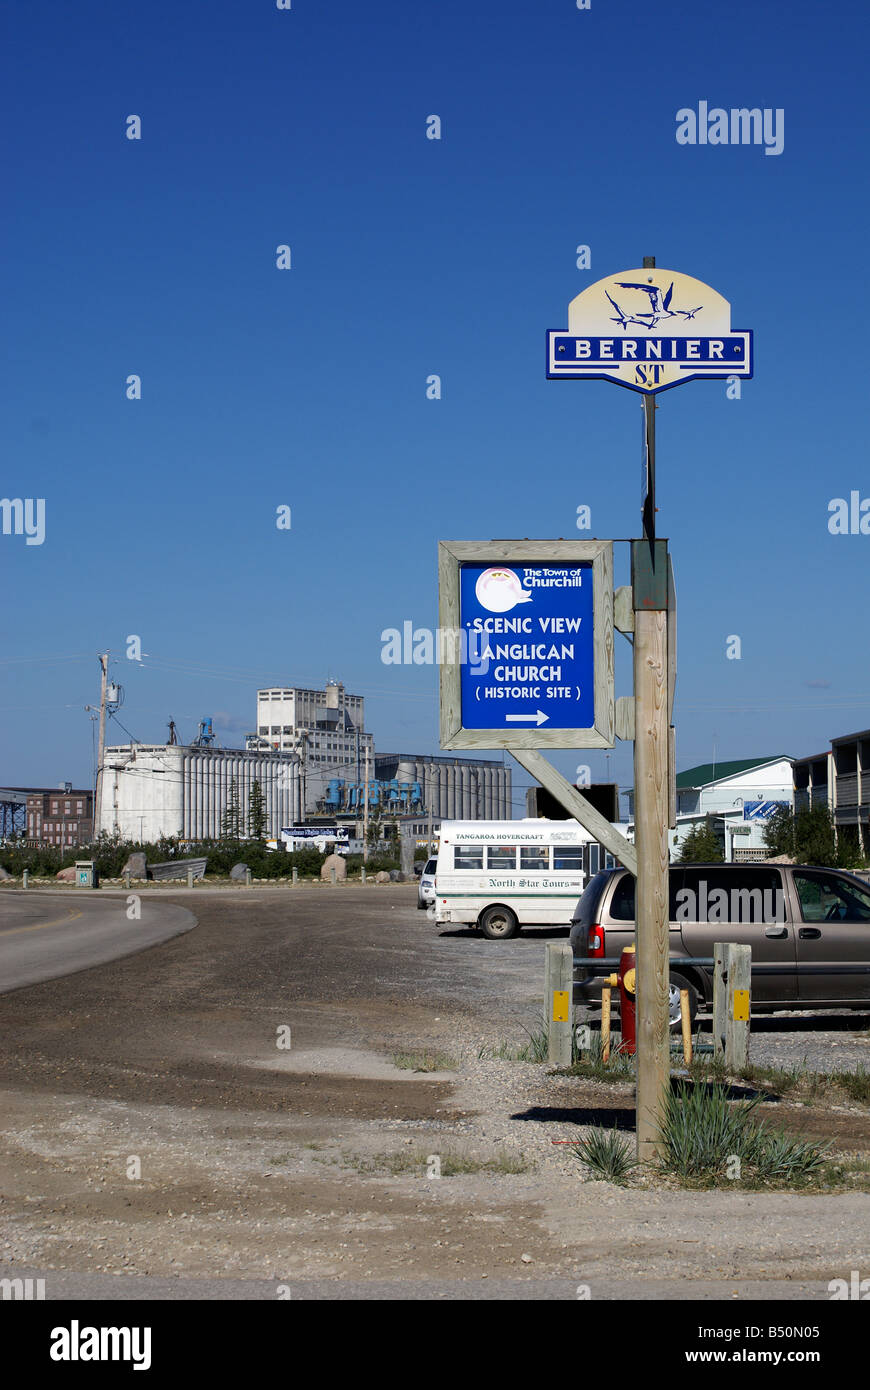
(410, 256)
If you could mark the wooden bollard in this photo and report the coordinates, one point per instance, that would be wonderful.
(605, 1023)
(686, 1021)
(558, 1002)
(732, 976)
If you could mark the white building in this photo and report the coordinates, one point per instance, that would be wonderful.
(737, 796)
(325, 727)
(158, 790)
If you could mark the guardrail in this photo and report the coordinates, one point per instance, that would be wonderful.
(758, 968)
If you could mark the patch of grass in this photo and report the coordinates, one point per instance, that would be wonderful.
(535, 1050)
(424, 1061)
(852, 1172)
(589, 1062)
(856, 1084)
(706, 1136)
(451, 1165)
(797, 1081)
(606, 1153)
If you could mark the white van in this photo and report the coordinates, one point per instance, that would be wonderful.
(502, 875)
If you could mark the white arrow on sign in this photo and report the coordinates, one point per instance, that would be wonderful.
(539, 718)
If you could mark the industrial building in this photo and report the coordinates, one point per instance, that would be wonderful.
(61, 816)
(155, 790)
(410, 785)
(327, 730)
(325, 727)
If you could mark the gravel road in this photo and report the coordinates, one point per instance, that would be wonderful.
(159, 1127)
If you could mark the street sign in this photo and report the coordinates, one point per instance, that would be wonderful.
(649, 330)
(527, 644)
(761, 810)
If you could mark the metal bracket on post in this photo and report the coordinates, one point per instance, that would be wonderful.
(649, 575)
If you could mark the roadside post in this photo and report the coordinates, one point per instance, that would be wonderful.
(527, 628)
(558, 992)
(732, 977)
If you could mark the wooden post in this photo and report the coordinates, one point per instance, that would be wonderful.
(558, 1001)
(605, 1023)
(651, 838)
(686, 1021)
(732, 975)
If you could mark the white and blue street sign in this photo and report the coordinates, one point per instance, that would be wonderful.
(649, 330)
(760, 810)
(530, 634)
(528, 631)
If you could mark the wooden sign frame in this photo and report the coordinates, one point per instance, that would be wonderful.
(451, 555)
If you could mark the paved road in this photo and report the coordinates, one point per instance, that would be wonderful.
(45, 935)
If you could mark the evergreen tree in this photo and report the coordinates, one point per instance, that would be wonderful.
(701, 846)
(256, 811)
(807, 836)
(778, 833)
(231, 821)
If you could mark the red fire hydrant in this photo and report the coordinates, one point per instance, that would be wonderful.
(625, 979)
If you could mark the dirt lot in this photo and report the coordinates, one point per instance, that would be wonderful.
(316, 1162)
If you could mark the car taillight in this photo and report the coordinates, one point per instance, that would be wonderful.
(595, 941)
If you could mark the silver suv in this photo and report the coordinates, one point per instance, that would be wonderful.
(809, 929)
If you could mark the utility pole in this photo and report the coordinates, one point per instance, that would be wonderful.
(366, 810)
(101, 741)
(650, 601)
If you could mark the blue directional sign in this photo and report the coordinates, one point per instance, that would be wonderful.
(526, 637)
(529, 636)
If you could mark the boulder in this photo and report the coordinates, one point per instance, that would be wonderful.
(382, 876)
(333, 861)
(5, 876)
(66, 875)
(136, 866)
(239, 872)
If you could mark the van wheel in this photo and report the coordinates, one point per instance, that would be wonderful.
(498, 923)
(676, 983)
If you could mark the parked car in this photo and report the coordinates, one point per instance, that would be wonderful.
(809, 928)
(426, 886)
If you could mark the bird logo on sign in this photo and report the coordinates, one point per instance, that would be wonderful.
(659, 307)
